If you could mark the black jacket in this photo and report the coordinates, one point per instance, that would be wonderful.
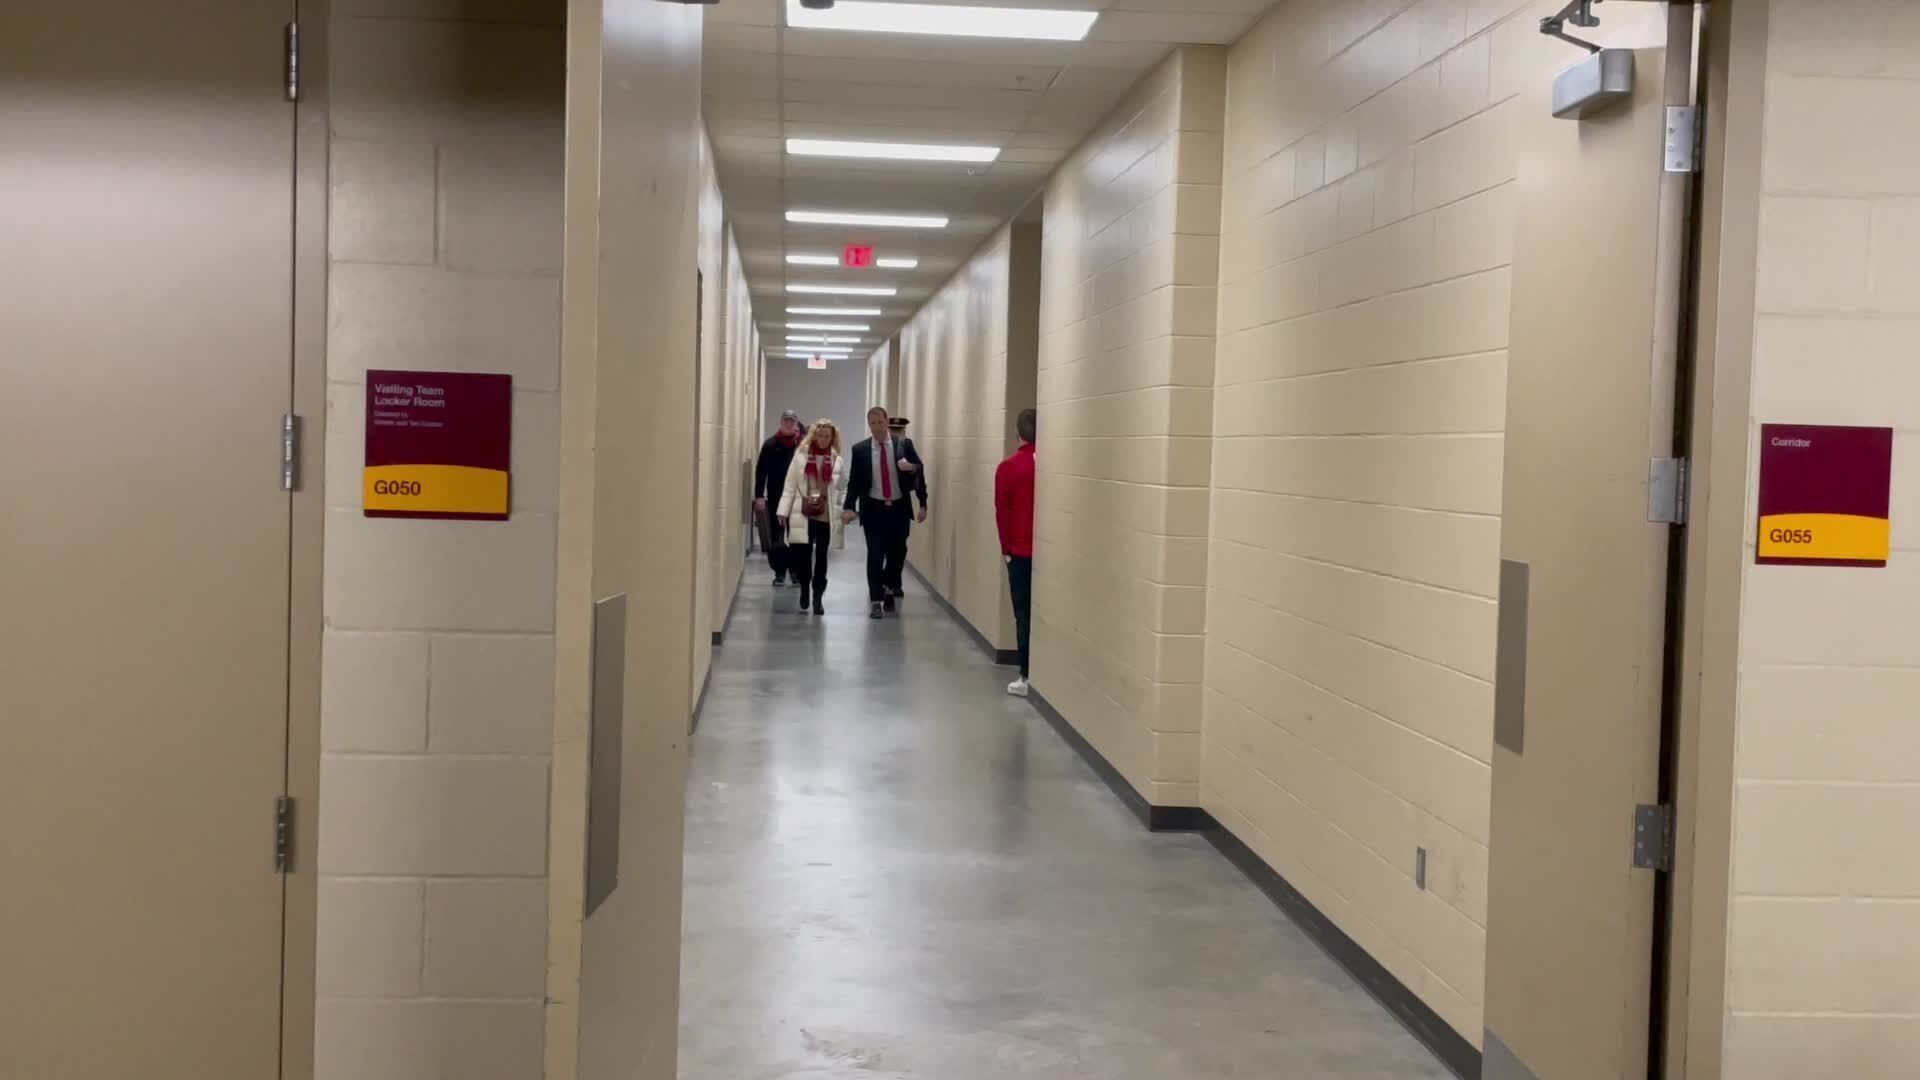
(770, 474)
(860, 473)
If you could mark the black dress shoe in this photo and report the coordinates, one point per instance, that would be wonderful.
(897, 591)
(877, 612)
(819, 606)
(888, 605)
(805, 602)
(779, 582)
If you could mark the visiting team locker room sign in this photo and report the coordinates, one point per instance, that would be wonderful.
(439, 445)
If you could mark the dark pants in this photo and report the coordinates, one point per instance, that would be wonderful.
(886, 527)
(1020, 584)
(809, 565)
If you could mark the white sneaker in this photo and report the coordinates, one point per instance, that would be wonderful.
(1018, 688)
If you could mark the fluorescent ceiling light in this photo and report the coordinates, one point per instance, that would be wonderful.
(847, 311)
(834, 260)
(818, 340)
(945, 19)
(891, 151)
(844, 290)
(878, 221)
(843, 327)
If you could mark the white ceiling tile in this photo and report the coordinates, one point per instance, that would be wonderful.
(1036, 100)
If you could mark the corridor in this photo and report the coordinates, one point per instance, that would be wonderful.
(894, 870)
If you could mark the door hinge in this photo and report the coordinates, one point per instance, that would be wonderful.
(1653, 837)
(289, 452)
(1683, 138)
(283, 834)
(293, 61)
(1667, 491)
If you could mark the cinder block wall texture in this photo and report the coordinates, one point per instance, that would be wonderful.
(1129, 255)
(1823, 942)
(959, 363)
(445, 220)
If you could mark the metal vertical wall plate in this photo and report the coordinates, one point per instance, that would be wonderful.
(606, 753)
(1594, 85)
(1420, 867)
(1510, 659)
(1683, 138)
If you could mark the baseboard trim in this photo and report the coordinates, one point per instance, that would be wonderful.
(720, 635)
(1155, 818)
(1002, 657)
(1453, 1050)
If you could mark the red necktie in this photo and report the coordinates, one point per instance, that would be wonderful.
(886, 472)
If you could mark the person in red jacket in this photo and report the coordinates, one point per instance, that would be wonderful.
(1013, 510)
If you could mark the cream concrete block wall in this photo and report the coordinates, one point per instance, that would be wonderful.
(954, 379)
(709, 492)
(1358, 409)
(879, 371)
(1823, 951)
(445, 239)
(1126, 363)
(631, 408)
(738, 436)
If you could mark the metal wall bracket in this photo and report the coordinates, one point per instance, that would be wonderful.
(1579, 13)
(1667, 491)
(1653, 837)
(1683, 138)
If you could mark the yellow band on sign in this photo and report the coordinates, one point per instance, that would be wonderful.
(435, 489)
(1841, 537)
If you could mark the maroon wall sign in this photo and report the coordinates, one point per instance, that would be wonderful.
(439, 445)
(1825, 495)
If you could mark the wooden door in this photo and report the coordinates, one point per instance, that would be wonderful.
(146, 230)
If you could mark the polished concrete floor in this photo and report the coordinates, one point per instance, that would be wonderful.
(896, 871)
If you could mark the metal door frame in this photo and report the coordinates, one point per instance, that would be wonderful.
(307, 539)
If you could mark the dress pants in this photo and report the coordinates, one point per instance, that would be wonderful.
(1020, 585)
(886, 527)
(810, 559)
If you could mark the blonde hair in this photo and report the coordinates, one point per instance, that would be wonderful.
(830, 426)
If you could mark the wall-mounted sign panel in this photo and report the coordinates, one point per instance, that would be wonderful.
(857, 257)
(439, 445)
(817, 363)
(1825, 495)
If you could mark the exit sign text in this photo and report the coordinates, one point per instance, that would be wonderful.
(857, 257)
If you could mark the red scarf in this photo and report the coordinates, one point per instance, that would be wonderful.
(786, 440)
(819, 471)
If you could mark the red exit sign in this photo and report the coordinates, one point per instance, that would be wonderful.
(857, 257)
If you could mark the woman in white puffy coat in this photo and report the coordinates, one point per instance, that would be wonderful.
(809, 510)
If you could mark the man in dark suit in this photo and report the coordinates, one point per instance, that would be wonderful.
(884, 474)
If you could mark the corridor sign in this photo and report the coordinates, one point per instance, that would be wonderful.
(439, 445)
(1825, 495)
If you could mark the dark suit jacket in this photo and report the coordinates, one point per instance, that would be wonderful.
(860, 475)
